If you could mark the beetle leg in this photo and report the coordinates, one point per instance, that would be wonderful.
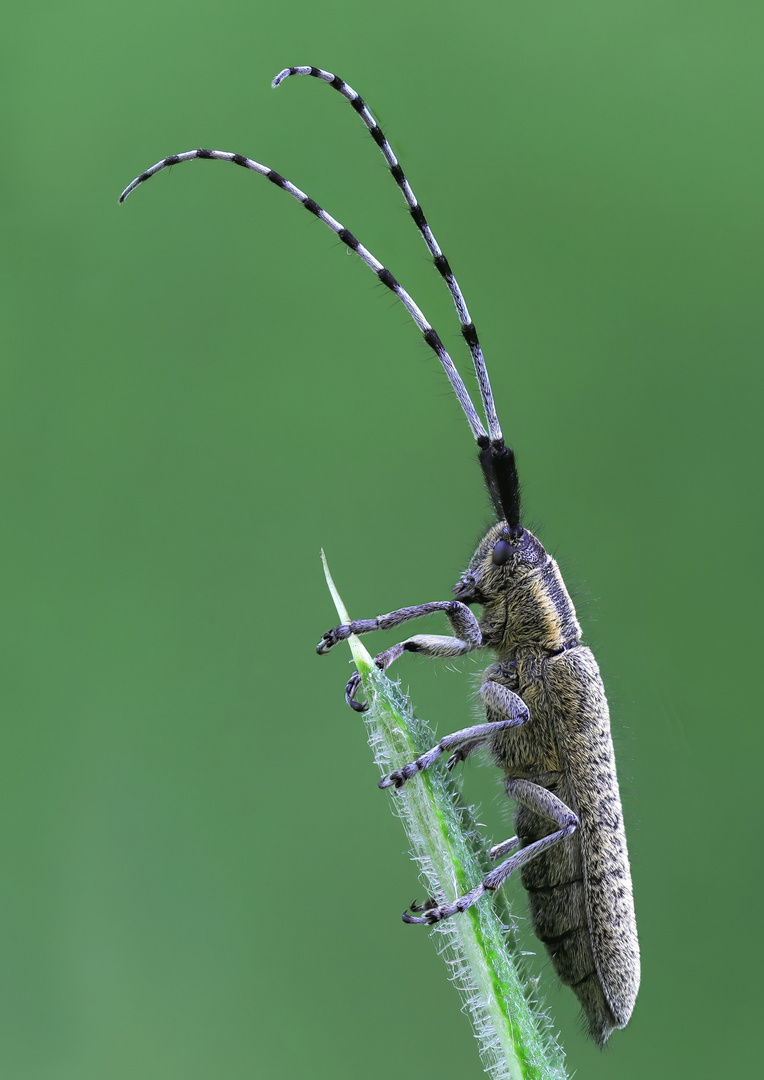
(464, 624)
(426, 644)
(535, 798)
(458, 614)
(498, 698)
(508, 705)
(463, 742)
(506, 847)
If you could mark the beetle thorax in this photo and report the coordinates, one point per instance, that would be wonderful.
(525, 602)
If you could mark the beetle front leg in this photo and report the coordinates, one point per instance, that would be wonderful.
(437, 645)
(464, 624)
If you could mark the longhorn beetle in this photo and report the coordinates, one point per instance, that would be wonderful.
(547, 724)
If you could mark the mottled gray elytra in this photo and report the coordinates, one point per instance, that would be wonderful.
(547, 723)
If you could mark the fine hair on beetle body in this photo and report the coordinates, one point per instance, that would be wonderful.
(546, 722)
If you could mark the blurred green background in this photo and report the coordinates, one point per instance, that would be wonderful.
(201, 388)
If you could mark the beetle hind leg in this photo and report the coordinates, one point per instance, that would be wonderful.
(432, 915)
(542, 802)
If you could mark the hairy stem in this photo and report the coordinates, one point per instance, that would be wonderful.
(485, 963)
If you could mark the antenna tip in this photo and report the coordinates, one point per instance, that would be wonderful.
(278, 80)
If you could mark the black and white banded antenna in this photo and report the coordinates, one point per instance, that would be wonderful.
(496, 459)
(469, 333)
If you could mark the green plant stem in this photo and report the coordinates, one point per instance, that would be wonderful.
(513, 1034)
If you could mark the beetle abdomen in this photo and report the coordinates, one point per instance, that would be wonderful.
(582, 734)
(557, 901)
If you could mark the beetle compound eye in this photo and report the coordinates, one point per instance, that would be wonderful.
(501, 552)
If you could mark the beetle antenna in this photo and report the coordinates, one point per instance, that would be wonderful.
(469, 333)
(430, 335)
(497, 460)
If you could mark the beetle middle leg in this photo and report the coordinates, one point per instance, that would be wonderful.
(540, 801)
(501, 700)
(462, 743)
